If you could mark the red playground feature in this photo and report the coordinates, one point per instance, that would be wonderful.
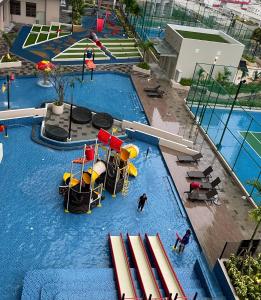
(89, 61)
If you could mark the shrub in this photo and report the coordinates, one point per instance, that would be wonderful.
(249, 58)
(186, 81)
(143, 65)
(245, 275)
(8, 58)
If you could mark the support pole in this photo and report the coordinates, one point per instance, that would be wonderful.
(230, 113)
(8, 90)
(195, 296)
(83, 65)
(176, 296)
(224, 248)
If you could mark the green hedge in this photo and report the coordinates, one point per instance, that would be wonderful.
(186, 81)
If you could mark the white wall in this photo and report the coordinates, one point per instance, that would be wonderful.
(51, 11)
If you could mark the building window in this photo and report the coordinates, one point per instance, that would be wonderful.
(30, 9)
(15, 7)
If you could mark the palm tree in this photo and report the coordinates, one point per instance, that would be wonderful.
(135, 11)
(7, 41)
(255, 215)
(256, 36)
(145, 46)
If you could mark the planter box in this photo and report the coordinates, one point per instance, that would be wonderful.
(224, 280)
(140, 70)
(12, 64)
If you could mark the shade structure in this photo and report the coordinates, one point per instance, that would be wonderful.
(100, 23)
(115, 143)
(104, 136)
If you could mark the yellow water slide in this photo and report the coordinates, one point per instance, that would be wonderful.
(128, 152)
(98, 169)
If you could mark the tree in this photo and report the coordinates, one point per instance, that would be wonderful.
(129, 4)
(145, 46)
(256, 36)
(135, 11)
(255, 215)
(77, 10)
(7, 41)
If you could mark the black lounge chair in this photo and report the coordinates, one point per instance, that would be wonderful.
(210, 185)
(158, 94)
(189, 158)
(197, 196)
(155, 89)
(200, 174)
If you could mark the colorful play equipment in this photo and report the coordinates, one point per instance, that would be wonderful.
(104, 165)
(44, 66)
(89, 61)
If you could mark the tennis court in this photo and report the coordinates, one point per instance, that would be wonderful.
(253, 139)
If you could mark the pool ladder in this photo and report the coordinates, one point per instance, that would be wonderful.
(125, 188)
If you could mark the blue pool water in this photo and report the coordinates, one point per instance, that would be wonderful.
(37, 234)
(110, 92)
(245, 161)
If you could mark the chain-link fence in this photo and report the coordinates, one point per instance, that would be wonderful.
(152, 20)
(221, 108)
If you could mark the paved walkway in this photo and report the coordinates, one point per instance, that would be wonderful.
(213, 225)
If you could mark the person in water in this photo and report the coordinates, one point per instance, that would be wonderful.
(182, 242)
(142, 200)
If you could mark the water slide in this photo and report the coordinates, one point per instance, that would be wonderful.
(122, 269)
(168, 277)
(145, 274)
(128, 152)
(98, 169)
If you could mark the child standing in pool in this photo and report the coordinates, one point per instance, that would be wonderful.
(183, 242)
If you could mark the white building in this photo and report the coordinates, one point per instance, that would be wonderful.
(28, 12)
(185, 46)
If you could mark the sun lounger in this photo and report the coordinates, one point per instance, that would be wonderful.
(197, 196)
(189, 158)
(157, 94)
(200, 174)
(210, 185)
(155, 89)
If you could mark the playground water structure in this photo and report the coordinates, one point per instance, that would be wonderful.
(110, 92)
(246, 160)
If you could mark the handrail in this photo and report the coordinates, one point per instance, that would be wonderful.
(127, 262)
(113, 260)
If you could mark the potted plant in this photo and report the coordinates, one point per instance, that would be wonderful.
(60, 83)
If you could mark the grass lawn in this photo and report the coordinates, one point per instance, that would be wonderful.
(202, 36)
(36, 28)
(54, 28)
(45, 28)
(42, 37)
(119, 41)
(31, 39)
(63, 33)
(52, 35)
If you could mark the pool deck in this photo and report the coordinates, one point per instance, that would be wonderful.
(213, 224)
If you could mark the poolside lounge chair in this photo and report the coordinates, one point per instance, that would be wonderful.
(210, 185)
(189, 158)
(157, 94)
(155, 89)
(197, 196)
(200, 174)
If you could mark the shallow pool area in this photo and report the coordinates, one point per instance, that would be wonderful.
(111, 92)
(37, 234)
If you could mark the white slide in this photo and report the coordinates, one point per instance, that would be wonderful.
(147, 280)
(169, 278)
(122, 269)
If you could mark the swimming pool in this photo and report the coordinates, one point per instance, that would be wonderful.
(37, 234)
(110, 92)
(240, 155)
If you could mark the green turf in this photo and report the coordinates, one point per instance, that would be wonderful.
(42, 37)
(79, 56)
(54, 28)
(202, 36)
(112, 41)
(64, 27)
(36, 28)
(254, 140)
(126, 55)
(81, 51)
(31, 39)
(45, 28)
(52, 36)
